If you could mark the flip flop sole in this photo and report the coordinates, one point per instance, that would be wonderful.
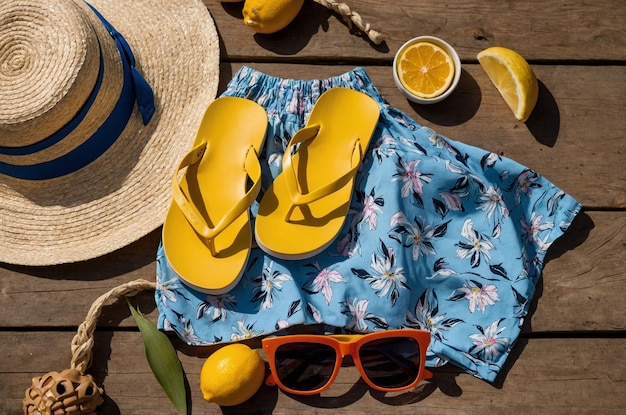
(342, 122)
(213, 186)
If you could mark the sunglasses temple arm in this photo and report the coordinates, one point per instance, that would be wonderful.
(269, 380)
(427, 374)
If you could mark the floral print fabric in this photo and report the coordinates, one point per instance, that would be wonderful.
(441, 236)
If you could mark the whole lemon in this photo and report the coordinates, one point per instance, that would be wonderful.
(270, 16)
(231, 375)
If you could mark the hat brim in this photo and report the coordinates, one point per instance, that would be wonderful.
(124, 194)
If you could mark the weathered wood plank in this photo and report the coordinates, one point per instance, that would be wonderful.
(581, 290)
(61, 295)
(556, 376)
(575, 138)
(539, 30)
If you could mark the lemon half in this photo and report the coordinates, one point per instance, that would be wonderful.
(513, 77)
(425, 69)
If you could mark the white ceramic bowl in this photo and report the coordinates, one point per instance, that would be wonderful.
(445, 46)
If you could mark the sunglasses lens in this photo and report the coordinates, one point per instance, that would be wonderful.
(304, 366)
(391, 362)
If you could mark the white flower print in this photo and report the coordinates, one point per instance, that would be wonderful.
(531, 230)
(167, 290)
(243, 331)
(411, 177)
(370, 212)
(314, 313)
(479, 295)
(442, 272)
(216, 307)
(426, 319)
(453, 200)
(388, 276)
(267, 286)
(412, 146)
(282, 324)
(406, 123)
(488, 344)
(386, 279)
(322, 282)
(467, 186)
(436, 140)
(385, 147)
(427, 316)
(188, 334)
(296, 104)
(441, 142)
(349, 244)
(476, 246)
(275, 159)
(492, 202)
(417, 234)
(168, 326)
(524, 184)
(454, 168)
(489, 160)
(356, 310)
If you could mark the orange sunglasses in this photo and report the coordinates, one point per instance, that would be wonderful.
(388, 361)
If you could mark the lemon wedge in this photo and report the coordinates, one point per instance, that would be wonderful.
(513, 77)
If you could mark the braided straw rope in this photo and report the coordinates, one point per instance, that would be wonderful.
(352, 18)
(82, 343)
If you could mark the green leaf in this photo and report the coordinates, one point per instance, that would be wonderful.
(163, 360)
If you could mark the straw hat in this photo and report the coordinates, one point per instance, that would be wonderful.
(76, 179)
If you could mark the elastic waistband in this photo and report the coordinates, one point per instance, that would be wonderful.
(260, 87)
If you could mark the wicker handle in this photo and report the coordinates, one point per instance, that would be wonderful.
(82, 343)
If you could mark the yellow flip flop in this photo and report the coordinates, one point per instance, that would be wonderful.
(207, 234)
(305, 207)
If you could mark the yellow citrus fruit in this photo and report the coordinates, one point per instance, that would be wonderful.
(232, 375)
(513, 77)
(425, 69)
(270, 16)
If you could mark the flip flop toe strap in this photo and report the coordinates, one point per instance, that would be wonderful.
(252, 168)
(296, 196)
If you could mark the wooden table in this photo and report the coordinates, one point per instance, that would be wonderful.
(571, 357)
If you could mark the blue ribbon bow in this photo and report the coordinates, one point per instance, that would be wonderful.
(143, 91)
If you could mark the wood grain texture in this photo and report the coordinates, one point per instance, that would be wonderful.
(540, 30)
(569, 359)
(556, 376)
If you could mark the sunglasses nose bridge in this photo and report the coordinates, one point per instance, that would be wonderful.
(346, 349)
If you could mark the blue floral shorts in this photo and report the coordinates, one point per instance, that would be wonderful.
(441, 236)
